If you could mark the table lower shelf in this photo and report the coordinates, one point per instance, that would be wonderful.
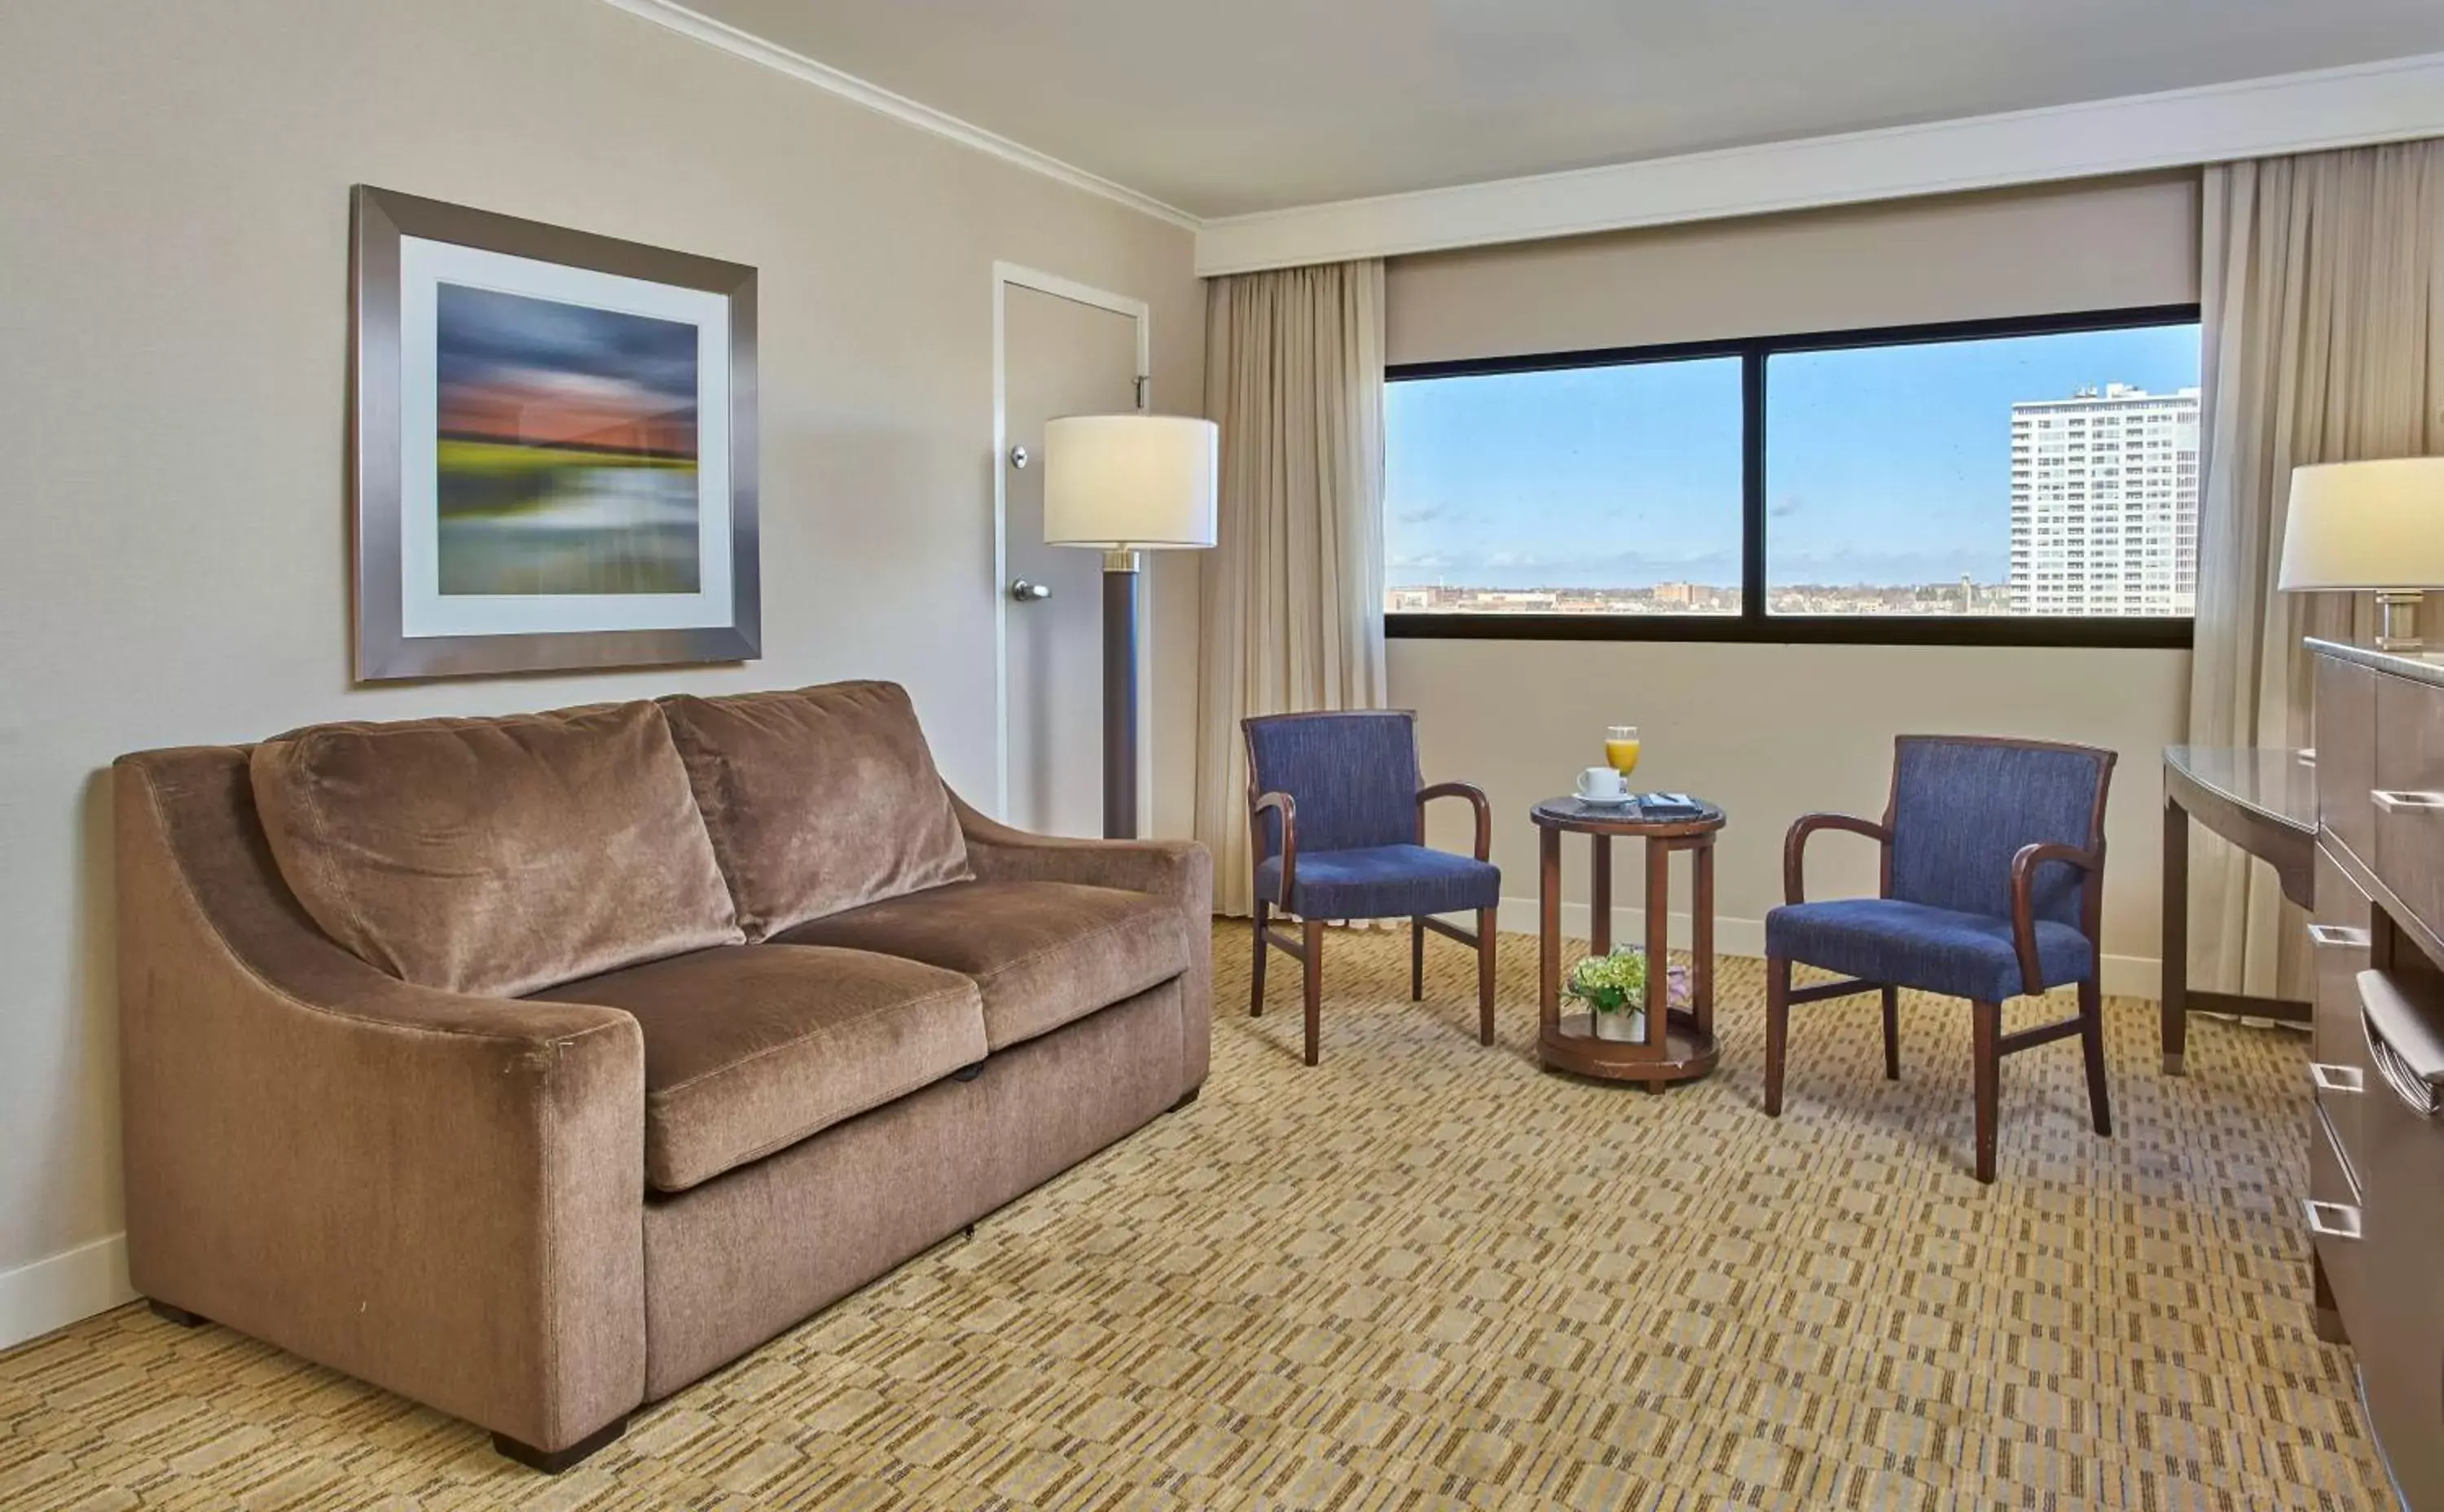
(1687, 1053)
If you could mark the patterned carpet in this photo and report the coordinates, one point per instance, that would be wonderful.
(1426, 1274)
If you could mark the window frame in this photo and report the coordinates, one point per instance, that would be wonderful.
(1752, 623)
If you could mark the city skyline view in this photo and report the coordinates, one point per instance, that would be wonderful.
(1888, 469)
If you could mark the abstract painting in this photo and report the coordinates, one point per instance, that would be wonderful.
(554, 448)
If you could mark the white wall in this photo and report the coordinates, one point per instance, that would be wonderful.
(173, 336)
(1774, 731)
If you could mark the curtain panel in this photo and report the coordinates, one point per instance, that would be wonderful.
(1293, 590)
(2323, 294)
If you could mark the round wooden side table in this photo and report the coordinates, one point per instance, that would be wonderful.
(1679, 1044)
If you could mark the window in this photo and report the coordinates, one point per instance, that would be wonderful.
(1601, 489)
(2025, 482)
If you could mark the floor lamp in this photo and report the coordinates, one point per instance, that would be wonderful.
(1125, 485)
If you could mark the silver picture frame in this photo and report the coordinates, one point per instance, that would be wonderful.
(383, 649)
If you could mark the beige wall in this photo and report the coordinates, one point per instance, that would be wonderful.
(172, 334)
(1774, 731)
(1960, 257)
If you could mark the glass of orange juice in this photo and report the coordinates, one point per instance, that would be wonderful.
(1621, 748)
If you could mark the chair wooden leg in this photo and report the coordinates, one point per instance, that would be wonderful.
(1891, 1034)
(1257, 977)
(1417, 960)
(2091, 1043)
(1485, 976)
(1987, 1052)
(1777, 1029)
(1314, 963)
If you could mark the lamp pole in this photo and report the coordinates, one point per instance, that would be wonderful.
(1120, 569)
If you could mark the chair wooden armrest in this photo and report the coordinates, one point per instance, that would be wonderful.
(1475, 796)
(1289, 806)
(2024, 916)
(1795, 847)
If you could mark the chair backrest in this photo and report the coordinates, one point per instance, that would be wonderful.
(1353, 775)
(1962, 807)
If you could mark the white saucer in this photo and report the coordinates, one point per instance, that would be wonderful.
(1622, 801)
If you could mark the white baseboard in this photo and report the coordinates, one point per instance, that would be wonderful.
(56, 1292)
(2126, 976)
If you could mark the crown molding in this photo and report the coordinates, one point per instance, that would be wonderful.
(2391, 101)
(874, 97)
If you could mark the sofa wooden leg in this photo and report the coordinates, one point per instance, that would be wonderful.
(1891, 1034)
(2091, 1043)
(1256, 975)
(1313, 941)
(1485, 976)
(1777, 1030)
(1986, 1050)
(175, 1315)
(552, 1462)
(1417, 960)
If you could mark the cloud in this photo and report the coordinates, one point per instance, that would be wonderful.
(1790, 503)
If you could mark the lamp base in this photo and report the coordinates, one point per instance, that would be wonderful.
(2398, 622)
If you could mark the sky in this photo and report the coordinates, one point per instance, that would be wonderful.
(1884, 465)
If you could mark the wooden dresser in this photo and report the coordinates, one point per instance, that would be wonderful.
(2376, 1171)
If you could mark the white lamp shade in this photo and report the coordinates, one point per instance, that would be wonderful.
(2365, 524)
(1130, 482)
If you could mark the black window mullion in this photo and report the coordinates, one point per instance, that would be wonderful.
(1752, 607)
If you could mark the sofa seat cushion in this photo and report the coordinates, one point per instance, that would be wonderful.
(1911, 945)
(750, 1048)
(493, 856)
(1044, 953)
(818, 800)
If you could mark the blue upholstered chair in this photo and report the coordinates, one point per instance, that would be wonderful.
(1336, 824)
(1993, 876)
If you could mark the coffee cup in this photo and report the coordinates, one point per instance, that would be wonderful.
(1603, 785)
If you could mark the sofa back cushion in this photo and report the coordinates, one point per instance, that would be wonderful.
(495, 856)
(819, 800)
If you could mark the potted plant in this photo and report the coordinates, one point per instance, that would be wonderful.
(1614, 988)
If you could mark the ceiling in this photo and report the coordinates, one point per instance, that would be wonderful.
(1222, 108)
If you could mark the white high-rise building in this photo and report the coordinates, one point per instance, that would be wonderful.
(2105, 503)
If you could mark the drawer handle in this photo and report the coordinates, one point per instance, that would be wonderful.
(2331, 1220)
(2338, 937)
(2393, 800)
(2337, 1078)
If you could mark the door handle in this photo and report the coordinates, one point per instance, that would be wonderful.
(2338, 937)
(2395, 799)
(1026, 592)
(2331, 1220)
(2337, 1078)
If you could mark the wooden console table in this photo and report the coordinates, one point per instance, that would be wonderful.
(2263, 800)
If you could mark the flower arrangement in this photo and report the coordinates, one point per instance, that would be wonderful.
(1609, 983)
(1614, 988)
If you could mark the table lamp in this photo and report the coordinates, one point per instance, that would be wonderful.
(1125, 485)
(2369, 525)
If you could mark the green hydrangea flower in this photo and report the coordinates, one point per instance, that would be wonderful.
(1611, 983)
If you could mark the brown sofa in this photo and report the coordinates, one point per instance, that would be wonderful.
(535, 1068)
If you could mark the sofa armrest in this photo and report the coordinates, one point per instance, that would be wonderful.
(1181, 871)
(438, 1194)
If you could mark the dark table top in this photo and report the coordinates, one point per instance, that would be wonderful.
(1622, 818)
(2276, 786)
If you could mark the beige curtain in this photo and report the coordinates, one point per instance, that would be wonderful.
(2323, 304)
(1293, 591)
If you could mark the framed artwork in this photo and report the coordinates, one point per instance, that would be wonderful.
(553, 448)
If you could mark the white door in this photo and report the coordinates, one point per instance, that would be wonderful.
(1060, 356)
